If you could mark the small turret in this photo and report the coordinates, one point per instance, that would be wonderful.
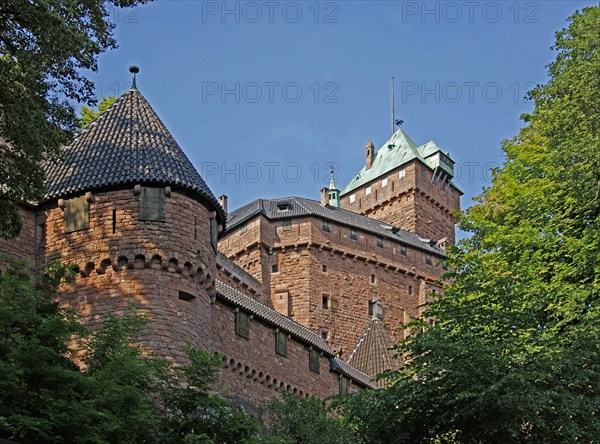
(334, 193)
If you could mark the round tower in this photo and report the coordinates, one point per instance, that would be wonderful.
(128, 208)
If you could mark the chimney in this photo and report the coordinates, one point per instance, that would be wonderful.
(324, 196)
(370, 154)
(223, 202)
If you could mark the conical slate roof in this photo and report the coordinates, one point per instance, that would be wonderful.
(127, 144)
(372, 354)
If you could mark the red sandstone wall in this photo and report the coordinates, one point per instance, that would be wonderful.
(255, 373)
(412, 202)
(297, 287)
(26, 244)
(148, 262)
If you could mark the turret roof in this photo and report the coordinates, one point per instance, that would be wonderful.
(126, 144)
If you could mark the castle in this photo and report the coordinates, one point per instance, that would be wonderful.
(296, 294)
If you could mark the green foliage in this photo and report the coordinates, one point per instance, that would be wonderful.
(122, 395)
(87, 115)
(45, 48)
(295, 420)
(513, 355)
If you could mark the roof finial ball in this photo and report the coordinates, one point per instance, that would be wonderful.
(134, 70)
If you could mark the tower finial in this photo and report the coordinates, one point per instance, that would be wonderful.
(134, 70)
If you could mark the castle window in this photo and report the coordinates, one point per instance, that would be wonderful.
(281, 343)
(326, 226)
(274, 268)
(77, 214)
(353, 234)
(344, 385)
(314, 361)
(423, 173)
(367, 190)
(402, 174)
(242, 324)
(380, 242)
(114, 222)
(324, 334)
(214, 233)
(152, 204)
(243, 229)
(410, 289)
(325, 301)
(444, 265)
(287, 225)
(384, 182)
(403, 250)
(428, 259)
(324, 268)
(185, 296)
(373, 279)
(352, 198)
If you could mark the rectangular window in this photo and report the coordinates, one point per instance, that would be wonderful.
(77, 214)
(344, 385)
(324, 334)
(326, 226)
(352, 198)
(287, 225)
(281, 343)
(444, 266)
(152, 204)
(274, 268)
(402, 174)
(367, 191)
(384, 182)
(353, 234)
(243, 229)
(380, 242)
(242, 324)
(410, 289)
(428, 259)
(185, 296)
(314, 362)
(324, 268)
(403, 250)
(325, 301)
(423, 173)
(373, 279)
(214, 233)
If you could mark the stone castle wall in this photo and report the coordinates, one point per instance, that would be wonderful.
(168, 267)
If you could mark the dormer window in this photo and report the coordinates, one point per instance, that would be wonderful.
(284, 206)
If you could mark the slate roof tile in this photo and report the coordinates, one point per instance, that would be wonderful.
(126, 144)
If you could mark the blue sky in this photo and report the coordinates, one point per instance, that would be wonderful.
(264, 96)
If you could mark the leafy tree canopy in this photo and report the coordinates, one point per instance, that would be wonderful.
(88, 114)
(513, 354)
(45, 47)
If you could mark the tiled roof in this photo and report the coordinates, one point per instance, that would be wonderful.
(352, 372)
(261, 311)
(265, 313)
(372, 354)
(297, 206)
(126, 144)
(402, 151)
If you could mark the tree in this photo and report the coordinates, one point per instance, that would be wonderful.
(89, 114)
(117, 393)
(45, 47)
(513, 354)
(295, 420)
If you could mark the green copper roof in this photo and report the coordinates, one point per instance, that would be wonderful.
(398, 150)
(332, 185)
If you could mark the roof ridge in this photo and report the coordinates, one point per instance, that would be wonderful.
(275, 312)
